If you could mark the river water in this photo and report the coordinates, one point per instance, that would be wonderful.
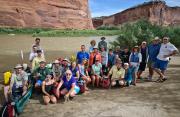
(54, 47)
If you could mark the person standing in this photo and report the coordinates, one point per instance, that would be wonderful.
(153, 50)
(33, 53)
(37, 60)
(102, 43)
(93, 56)
(117, 52)
(104, 57)
(166, 51)
(125, 55)
(111, 59)
(82, 55)
(134, 61)
(144, 52)
(93, 43)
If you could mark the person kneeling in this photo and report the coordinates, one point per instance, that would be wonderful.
(117, 73)
(70, 84)
(19, 82)
(47, 89)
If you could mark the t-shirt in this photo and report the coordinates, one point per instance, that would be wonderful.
(36, 61)
(166, 49)
(102, 44)
(153, 51)
(32, 56)
(19, 79)
(81, 55)
(97, 68)
(104, 57)
(68, 84)
(42, 72)
(117, 73)
(125, 57)
(74, 71)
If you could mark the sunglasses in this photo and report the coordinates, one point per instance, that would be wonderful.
(68, 74)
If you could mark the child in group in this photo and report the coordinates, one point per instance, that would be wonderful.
(134, 61)
(111, 58)
(128, 74)
(96, 72)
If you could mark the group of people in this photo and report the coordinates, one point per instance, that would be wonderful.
(63, 76)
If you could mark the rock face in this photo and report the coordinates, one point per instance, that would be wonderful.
(156, 12)
(62, 14)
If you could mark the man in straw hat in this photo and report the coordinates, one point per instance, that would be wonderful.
(102, 43)
(19, 81)
(153, 50)
(118, 73)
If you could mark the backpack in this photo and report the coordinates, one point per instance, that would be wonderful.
(7, 77)
(8, 110)
(81, 86)
(105, 82)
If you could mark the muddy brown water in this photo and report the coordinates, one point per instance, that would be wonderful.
(147, 99)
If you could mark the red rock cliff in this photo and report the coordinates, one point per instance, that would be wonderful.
(63, 14)
(156, 12)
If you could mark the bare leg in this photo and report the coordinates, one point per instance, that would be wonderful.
(97, 81)
(53, 99)
(46, 100)
(93, 80)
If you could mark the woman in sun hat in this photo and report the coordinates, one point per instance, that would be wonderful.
(134, 61)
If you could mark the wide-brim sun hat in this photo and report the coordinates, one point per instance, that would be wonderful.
(18, 66)
(66, 59)
(56, 62)
(95, 47)
(136, 46)
(156, 39)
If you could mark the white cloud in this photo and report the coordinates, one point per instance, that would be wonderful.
(105, 12)
(173, 2)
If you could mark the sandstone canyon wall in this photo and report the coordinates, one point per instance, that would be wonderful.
(62, 14)
(156, 12)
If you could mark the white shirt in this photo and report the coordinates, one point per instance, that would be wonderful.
(166, 49)
(32, 56)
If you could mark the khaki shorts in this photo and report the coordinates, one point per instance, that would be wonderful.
(150, 64)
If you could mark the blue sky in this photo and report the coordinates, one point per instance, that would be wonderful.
(109, 7)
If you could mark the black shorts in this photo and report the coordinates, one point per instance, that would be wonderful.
(142, 66)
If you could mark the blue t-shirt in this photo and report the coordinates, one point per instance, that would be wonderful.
(153, 51)
(81, 55)
(68, 84)
(74, 71)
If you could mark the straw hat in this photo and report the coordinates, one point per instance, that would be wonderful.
(56, 62)
(18, 66)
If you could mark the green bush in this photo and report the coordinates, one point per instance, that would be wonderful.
(132, 34)
(107, 28)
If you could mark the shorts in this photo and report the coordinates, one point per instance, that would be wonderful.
(142, 66)
(39, 82)
(150, 64)
(159, 64)
(76, 89)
